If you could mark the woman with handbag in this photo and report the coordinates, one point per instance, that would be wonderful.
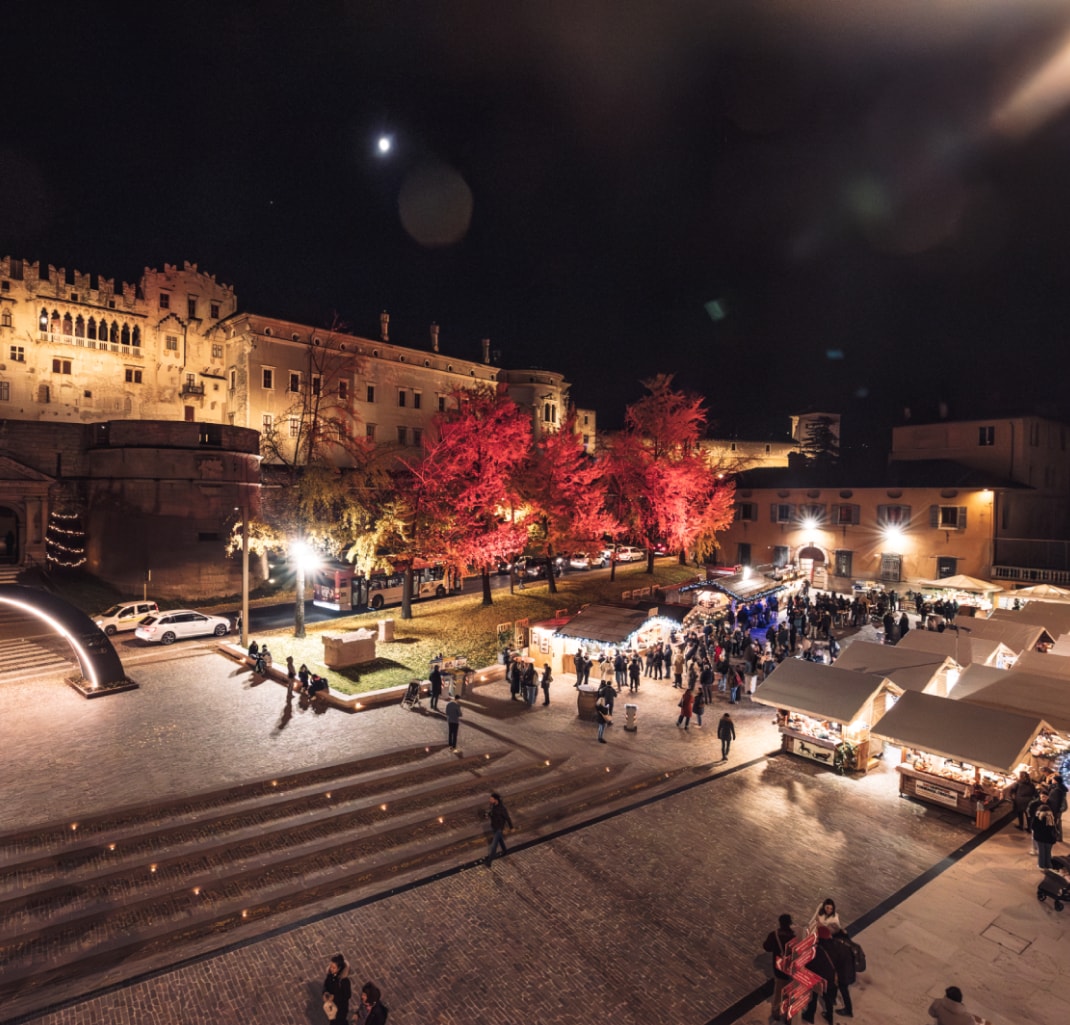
(337, 990)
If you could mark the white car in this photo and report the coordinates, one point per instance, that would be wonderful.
(168, 627)
(581, 560)
(625, 553)
(125, 615)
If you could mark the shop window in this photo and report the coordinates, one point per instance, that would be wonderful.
(842, 563)
(743, 554)
(891, 568)
(946, 566)
(747, 512)
(948, 517)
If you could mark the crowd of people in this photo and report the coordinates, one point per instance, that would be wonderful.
(1039, 807)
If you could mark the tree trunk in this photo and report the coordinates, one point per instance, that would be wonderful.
(487, 600)
(551, 579)
(613, 567)
(650, 560)
(406, 594)
(299, 602)
(683, 557)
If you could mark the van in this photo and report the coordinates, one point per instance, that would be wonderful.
(125, 615)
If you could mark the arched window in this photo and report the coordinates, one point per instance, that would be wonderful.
(42, 322)
(546, 413)
(68, 324)
(137, 337)
(115, 331)
(79, 327)
(126, 334)
(54, 323)
(91, 328)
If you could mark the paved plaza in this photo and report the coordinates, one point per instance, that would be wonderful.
(650, 910)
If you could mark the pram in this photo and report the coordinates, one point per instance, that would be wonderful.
(1054, 885)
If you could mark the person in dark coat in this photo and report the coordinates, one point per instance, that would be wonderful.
(844, 960)
(547, 679)
(777, 944)
(514, 678)
(904, 625)
(1044, 835)
(375, 1010)
(1021, 792)
(453, 722)
(499, 819)
(436, 687)
(686, 706)
(726, 733)
(822, 965)
(338, 987)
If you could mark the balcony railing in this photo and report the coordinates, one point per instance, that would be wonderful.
(100, 344)
(192, 388)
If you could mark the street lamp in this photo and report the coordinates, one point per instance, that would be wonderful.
(305, 560)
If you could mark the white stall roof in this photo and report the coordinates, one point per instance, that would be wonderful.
(960, 646)
(1046, 664)
(1018, 636)
(906, 667)
(996, 740)
(1024, 693)
(821, 691)
(1055, 618)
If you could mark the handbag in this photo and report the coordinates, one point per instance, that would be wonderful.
(330, 1008)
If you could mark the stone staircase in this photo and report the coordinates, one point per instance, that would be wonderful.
(93, 903)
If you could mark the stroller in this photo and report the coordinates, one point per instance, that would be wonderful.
(1055, 885)
(411, 700)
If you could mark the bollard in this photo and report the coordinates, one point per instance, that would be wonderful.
(630, 712)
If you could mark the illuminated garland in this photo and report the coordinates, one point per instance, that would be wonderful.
(65, 541)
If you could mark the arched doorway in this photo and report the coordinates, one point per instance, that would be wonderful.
(812, 565)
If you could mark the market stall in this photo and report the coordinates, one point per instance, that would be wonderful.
(1053, 616)
(904, 666)
(962, 647)
(1017, 635)
(965, 591)
(825, 713)
(958, 755)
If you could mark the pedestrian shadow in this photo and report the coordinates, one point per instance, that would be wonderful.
(287, 715)
(314, 1003)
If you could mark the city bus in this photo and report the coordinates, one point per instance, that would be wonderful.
(341, 589)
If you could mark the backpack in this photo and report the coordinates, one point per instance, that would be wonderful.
(859, 956)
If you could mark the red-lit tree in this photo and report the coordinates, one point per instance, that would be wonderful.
(659, 484)
(461, 493)
(564, 492)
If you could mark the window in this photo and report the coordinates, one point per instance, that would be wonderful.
(232, 380)
(743, 554)
(747, 511)
(781, 512)
(170, 343)
(295, 382)
(948, 517)
(369, 432)
(986, 435)
(267, 378)
(213, 311)
(133, 375)
(401, 397)
(417, 398)
(780, 556)
(846, 515)
(812, 512)
(5, 391)
(18, 354)
(842, 563)
(317, 383)
(295, 426)
(893, 515)
(266, 423)
(442, 404)
(417, 436)
(61, 366)
(191, 307)
(403, 435)
(165, 301)
(43, 393)
(217, 350)
(891, 567)
(5, 318)
(946, 566)
(343, 390)
(371, 392)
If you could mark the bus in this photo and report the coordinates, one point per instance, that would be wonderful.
(341, 589)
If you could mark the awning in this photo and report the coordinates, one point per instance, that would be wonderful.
(995, 740)
(606, 624)
(961, 582)
(820, 691)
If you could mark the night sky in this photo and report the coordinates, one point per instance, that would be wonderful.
(851, 206)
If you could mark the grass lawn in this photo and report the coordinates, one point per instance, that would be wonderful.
(460, 625)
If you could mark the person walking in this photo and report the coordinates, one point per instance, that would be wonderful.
(337, 989)
(949, 1009)
(776, 943)
(453, 721)
(499, 819)
(686, 706)
(436, 686)
(698, 707)
(601, 710)
(726, 733)
(547, 679)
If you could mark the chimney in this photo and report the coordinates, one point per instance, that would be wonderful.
(434, 336)
(486, 350)
(384, 326)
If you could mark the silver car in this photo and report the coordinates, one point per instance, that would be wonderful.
(168, 627)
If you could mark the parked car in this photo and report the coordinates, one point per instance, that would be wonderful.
(625, 553)
(661, 548)
(582, 560)
(124, 615)
(168, 627)
(529, 568)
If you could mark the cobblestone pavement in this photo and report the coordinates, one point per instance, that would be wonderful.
(652, 914)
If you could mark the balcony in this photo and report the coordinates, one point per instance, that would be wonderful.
(100, 344)
(192, 388)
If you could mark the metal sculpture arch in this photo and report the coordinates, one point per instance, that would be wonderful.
(97, 659)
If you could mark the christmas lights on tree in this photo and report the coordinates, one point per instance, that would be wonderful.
(65, 541)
